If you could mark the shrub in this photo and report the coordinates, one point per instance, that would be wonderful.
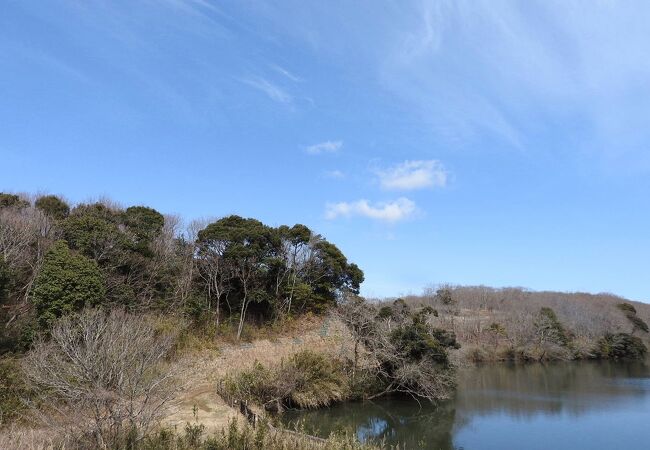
(104, 375)
(305, 380)
(12, 389)
(621, 346)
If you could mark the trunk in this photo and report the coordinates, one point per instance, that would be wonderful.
(243, 313)
(218, 310)
(356, 358)
(293, 286)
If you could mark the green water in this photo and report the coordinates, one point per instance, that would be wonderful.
(577, 405)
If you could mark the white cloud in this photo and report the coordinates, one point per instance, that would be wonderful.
(286, 73)
(393, 211)
(334, 174)
(324, 147)
(411, 175)
(274, 92)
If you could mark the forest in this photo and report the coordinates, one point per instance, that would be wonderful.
(56, 259)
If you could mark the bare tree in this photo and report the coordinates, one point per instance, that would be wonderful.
(405, 353)
(106, 367)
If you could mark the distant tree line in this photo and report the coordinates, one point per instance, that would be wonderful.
(56, 259)
(517, 324)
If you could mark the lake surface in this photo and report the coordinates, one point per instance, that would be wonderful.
(577, 405)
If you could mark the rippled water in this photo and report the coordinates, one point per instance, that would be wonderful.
(578, 405)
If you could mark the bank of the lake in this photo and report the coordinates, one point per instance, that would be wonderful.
(590, 404)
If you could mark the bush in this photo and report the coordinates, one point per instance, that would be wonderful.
(12, 390)
(621, 346)
(104, 375)
(305, 380)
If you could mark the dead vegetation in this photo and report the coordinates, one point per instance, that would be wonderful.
(102, 377)
(514, 323)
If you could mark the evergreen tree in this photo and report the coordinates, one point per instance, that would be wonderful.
(67, 282)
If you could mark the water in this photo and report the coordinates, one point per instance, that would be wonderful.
(578, 405)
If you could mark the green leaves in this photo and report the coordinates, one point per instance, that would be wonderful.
(621, 346)
(67, 282)
(53, 206)
(291, 264)
(12, 201)
(145, 224)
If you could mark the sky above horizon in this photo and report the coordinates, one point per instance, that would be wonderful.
(502, 143)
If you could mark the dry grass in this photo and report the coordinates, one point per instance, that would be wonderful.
(204, 365)
(24, 438)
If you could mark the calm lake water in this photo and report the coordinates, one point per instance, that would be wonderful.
(579, 405)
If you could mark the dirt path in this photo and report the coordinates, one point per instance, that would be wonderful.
(204, 368)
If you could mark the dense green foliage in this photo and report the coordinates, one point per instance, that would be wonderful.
(67, 283)
(275, 271)
(55, 259)
(53, 206)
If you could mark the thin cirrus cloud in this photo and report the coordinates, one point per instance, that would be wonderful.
(324, 147)
(393, 211)
(273, 91)
(412, 175)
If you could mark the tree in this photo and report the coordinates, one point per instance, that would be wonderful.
(12, 201)
(106, 367)
(93, 230)
(213, 267)
(53, 206)
(145, 224)
(295, 258)
(247, 249)
(359, 318)
(631, 314)
(621, 346)
(549, 328)
(332, 274)
(406, 353)
(67, 283)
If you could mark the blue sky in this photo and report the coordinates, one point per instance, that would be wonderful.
(474, 142)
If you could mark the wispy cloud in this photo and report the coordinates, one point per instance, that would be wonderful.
(393, 211)
(324, 147)
(286, 73)
(411, 175)
(336, 174)
(273, 91)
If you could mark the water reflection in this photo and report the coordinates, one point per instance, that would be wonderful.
(506, 406)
